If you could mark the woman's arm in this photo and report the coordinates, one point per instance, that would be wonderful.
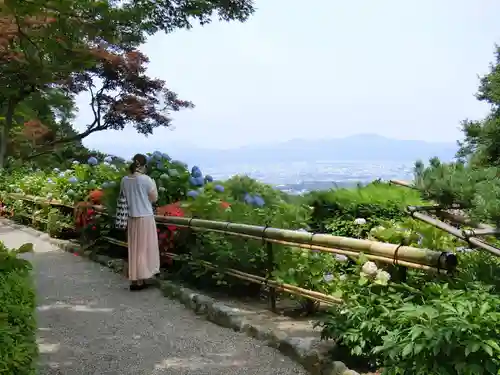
(153, 192)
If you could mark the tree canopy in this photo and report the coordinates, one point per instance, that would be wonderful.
(51, 51)
(473, 181)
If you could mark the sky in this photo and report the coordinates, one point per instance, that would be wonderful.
(401, 69)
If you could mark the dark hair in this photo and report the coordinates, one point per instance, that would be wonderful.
(139, 160)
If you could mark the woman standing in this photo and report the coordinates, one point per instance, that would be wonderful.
(143, 253)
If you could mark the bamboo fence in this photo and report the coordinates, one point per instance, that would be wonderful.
(469, 236)
(405, 256)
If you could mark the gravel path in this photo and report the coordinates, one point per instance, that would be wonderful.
(89, 323)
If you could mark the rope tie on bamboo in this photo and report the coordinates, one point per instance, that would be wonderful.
(441, 256)
(468, 233)
(395, 260)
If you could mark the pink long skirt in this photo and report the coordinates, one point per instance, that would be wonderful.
(143, 251)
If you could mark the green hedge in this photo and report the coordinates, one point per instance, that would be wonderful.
(335, 210)
(18, 347)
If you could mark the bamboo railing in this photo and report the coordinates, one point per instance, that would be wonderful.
(405, 256)
(469, 236)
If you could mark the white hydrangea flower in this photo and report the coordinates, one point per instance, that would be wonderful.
(360, 221)
(382, 277)
(341, 258)
(328, 277)
(369, 268)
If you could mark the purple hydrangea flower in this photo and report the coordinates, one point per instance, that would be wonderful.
(92, 161)
(157, 155)
(209, 178)
(219, 188)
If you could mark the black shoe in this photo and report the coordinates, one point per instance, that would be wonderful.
(136, 287)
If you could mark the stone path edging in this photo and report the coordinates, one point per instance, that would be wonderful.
(312, 355)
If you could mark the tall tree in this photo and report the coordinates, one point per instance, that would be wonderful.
(46, 44)
(481, 144)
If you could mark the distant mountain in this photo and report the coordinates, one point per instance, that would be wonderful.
(362, 147)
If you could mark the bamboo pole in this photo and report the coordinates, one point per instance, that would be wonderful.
(386, 250)
(354, 254)
(256, 279)
(455, 232)
(292, 289)
(376, 250)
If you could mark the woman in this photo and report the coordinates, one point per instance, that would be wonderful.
(143, 254)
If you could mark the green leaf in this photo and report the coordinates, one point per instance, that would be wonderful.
(26, 248)
(407, 350)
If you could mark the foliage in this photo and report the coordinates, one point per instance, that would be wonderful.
(417, 327)
(473, 181)
(476, 190)
(481, 145)
(18, 349)
(336, 210)
(70, 46)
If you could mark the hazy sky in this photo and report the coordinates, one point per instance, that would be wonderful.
(403, 69)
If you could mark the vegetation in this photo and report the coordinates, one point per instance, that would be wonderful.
(473, 181)
(18, 349)
(401, 322)
(51, 51)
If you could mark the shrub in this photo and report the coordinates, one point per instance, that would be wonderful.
(335, 210)
(18, 348)
(446, 326)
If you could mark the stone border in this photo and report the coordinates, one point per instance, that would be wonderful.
(304, 351)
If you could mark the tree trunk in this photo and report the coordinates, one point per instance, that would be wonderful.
(5, 132)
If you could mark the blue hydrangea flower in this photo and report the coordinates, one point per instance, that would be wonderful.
(157, 155)
(61, 174)
(159, 165)
(219, 188)
(209, 178)
(108, 159)
(196, 172)
(192, 193)
(75, 162)
(73, 180)
(258, 201)
(248, 198)
(165, 156)
(49, 180)
(196, 181)
(92, 161)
